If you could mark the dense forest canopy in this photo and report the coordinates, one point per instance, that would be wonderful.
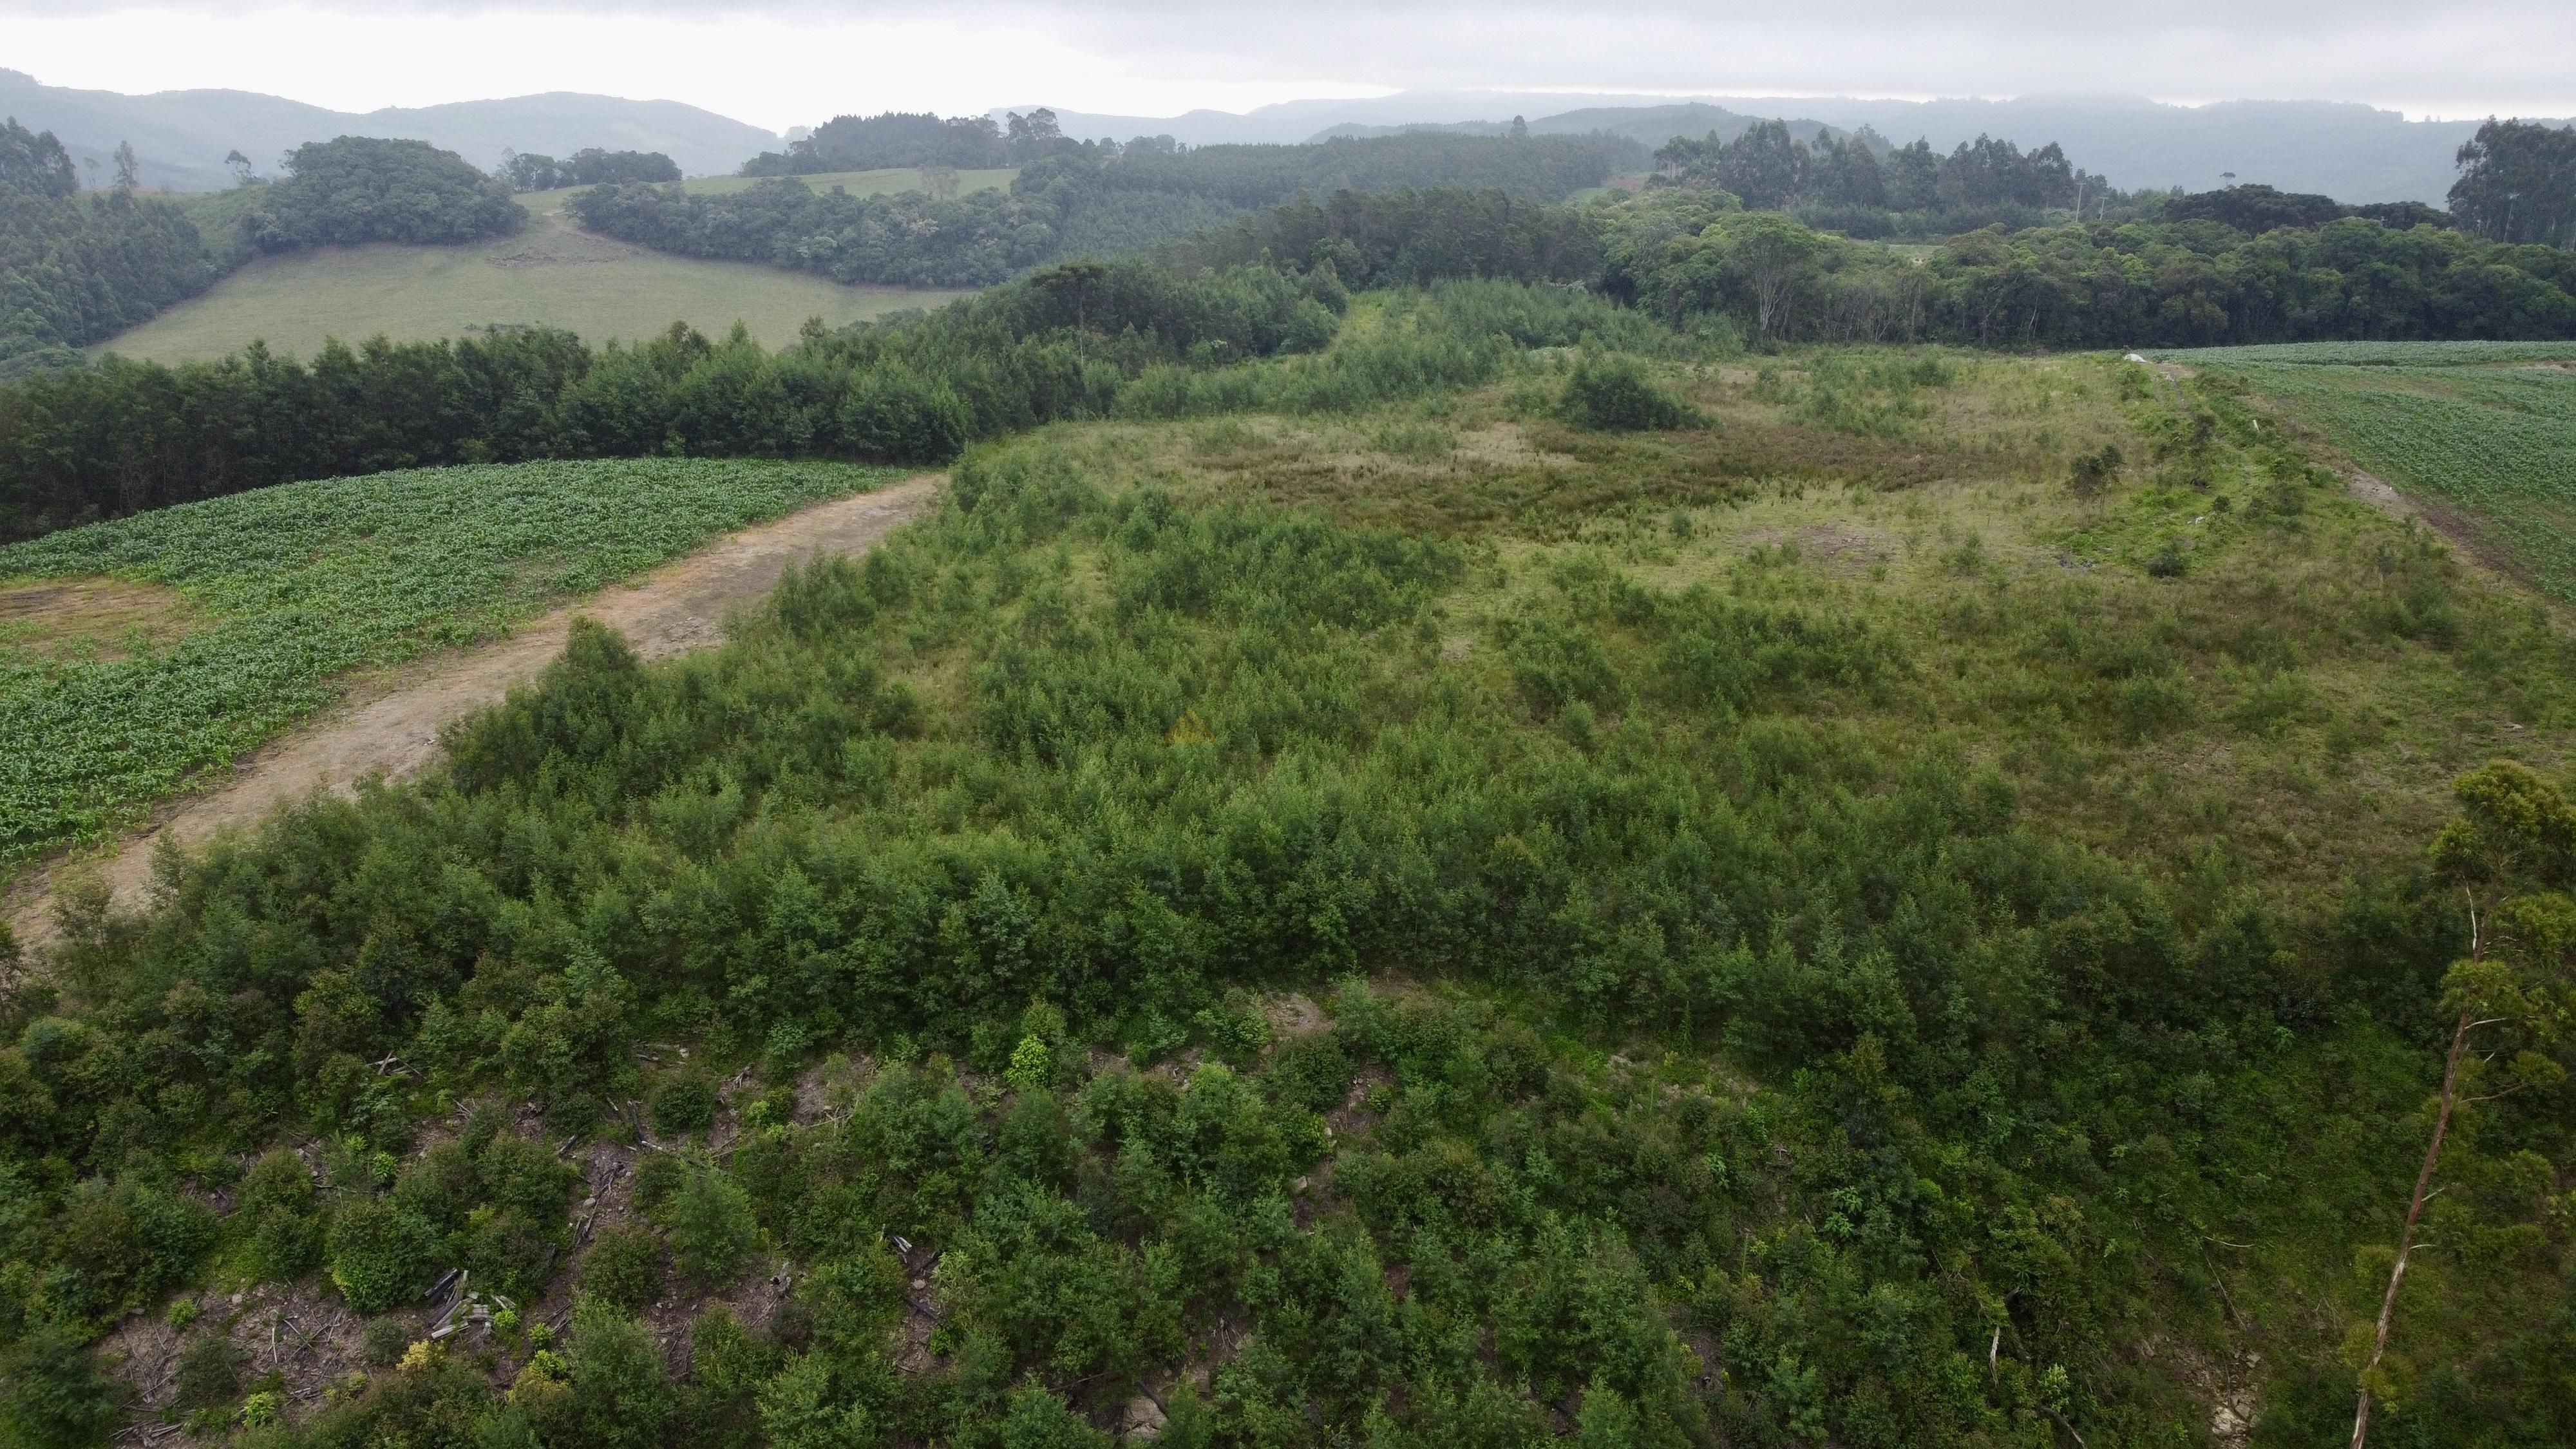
(1080, 200)
(869, 143)
(363, 189)
(75, 269)
(589, 166)
(2518, 183)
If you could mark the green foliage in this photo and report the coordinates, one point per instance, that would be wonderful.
(590, 166)
(380, 1255)
(298, 585)
(712, 1226)
(275, 1213)
(382, 1341)
(1613, 394)
(2495, 443)
(75, 269)
(361, 189)
(56, 1396)
(624, 1267)
(684, 1104)
(1080, 200)
(209, 1372)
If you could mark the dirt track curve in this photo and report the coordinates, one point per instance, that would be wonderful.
(390, 726)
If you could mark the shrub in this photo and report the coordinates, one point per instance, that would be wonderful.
(624, 1267)
(209, 1372)
(276, 1202)
(382, 1341)
(712, 1226)
(685, 1103)
(56, 1396)
(1613, 394)
(379, 1253)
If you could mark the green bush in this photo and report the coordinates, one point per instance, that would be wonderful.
(379, 1254)
(209, 1371)
(1614, 394)
(686, 1103)
(56, 1397)
(275, 1204)
(623, 1267)
(713, 1229)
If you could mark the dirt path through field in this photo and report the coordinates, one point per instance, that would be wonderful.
(389, 726)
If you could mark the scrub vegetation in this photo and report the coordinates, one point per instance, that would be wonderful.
(1497, 874)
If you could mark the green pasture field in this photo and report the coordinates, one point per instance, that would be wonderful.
(244, 614)
(2483, 432)
(550, 274)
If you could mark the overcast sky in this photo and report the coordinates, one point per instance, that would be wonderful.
(777, 64)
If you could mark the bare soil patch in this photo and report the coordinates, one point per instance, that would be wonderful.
(390, 725)
(95, 617)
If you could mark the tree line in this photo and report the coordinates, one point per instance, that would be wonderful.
(124, 436)
(589, 166)
(1082, 199)
(2518, 183)
(74, 269)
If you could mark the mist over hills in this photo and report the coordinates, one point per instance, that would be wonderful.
(2354, 152)
(2350, 151)
(181, 137)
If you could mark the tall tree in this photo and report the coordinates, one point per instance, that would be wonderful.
(2518, 183)
(2510, 853)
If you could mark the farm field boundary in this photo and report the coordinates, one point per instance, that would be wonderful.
(392, 729)
(245, 615)
(2480, 435)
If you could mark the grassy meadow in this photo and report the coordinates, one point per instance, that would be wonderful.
(550, 273)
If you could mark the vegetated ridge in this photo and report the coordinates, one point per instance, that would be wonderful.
(1525, 874)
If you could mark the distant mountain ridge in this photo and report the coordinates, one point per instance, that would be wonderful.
(2349, 151)
(181, 137)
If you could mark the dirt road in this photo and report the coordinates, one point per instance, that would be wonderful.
(390, 726)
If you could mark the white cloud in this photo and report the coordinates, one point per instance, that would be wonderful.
(778, 65)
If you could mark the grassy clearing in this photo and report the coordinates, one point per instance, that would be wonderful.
(2214, 669)
(550, 274)
(239, 616)
(2483, 432)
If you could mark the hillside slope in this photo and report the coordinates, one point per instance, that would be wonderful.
(182, 136)
(550, 274)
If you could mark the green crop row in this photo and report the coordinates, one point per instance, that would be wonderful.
(274, 595)
(2496, 446)
(2374, 354)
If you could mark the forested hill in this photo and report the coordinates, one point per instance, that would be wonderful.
(181, 137)
(1071, 199)
(75, 269)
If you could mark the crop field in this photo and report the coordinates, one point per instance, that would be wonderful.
(138, 652)
(2376, 354)
(2484, 432)
(551, 273)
